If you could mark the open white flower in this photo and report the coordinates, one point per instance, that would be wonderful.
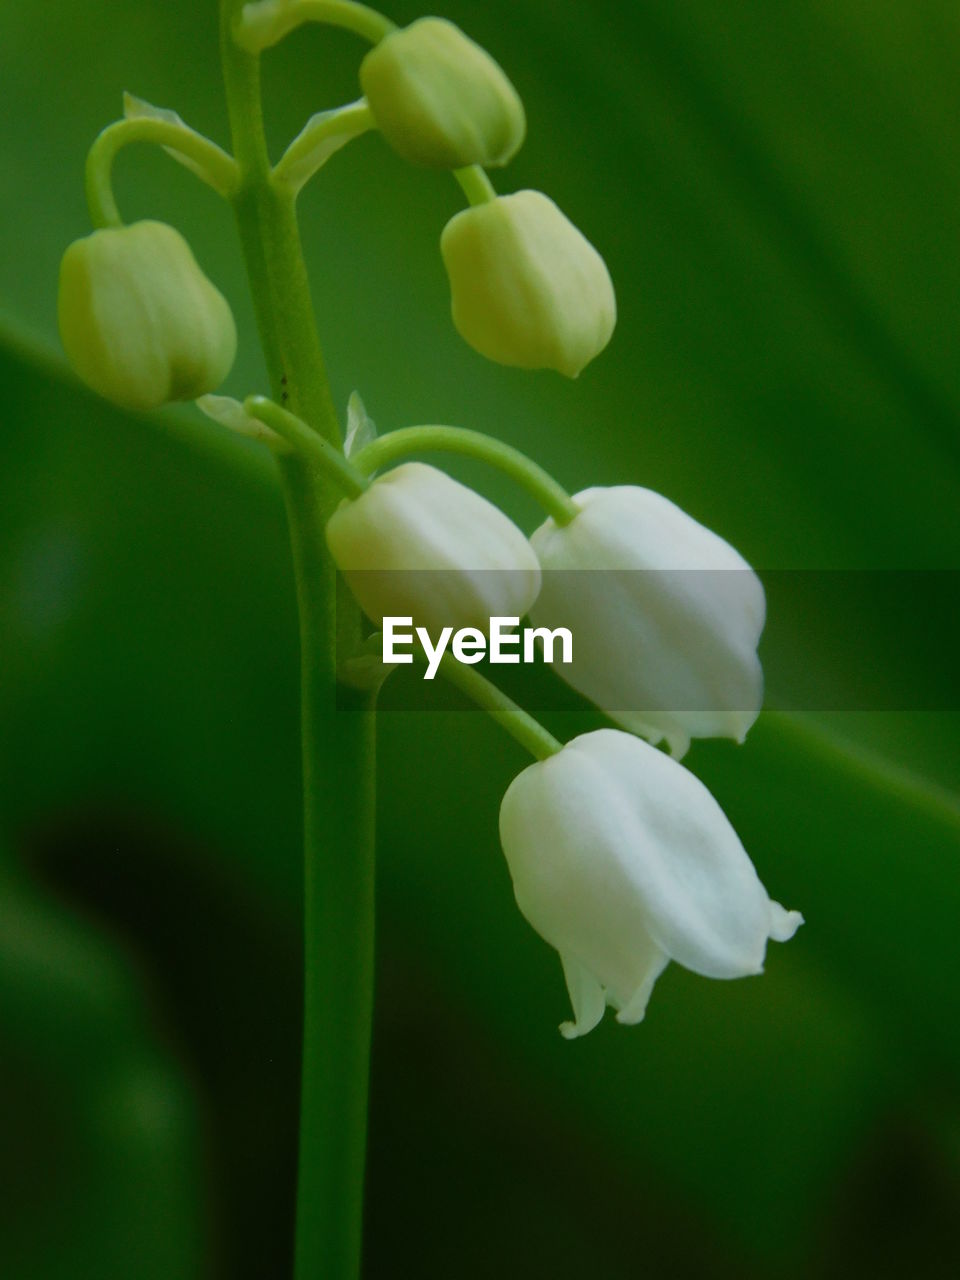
(418, 544)
(622, 860)
(666, 616)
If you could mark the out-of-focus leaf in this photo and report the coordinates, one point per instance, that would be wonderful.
(871, 852)
(98, 1120)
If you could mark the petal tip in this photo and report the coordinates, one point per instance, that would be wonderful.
(572, 1030)
(629, 1018)
(783, 923)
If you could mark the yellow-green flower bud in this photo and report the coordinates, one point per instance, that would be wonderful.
(140, 322)
(528, 289)
(440, 100)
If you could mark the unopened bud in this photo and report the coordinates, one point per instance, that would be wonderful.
(440, 100)
(528, 289)
(140, 322)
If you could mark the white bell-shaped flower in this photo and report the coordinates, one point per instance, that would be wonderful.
(622, 860)
(418, 544)
(665, 616)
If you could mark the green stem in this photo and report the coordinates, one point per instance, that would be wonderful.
(337, 725)
(322, 136)
(351, 475)
(518, 723)
(475, 184)
(267, 220)
(207, 160)
(474, 444)
(265, 24)
(312, 446)
(338, 730)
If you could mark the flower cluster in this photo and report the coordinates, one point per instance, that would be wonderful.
(620, 857)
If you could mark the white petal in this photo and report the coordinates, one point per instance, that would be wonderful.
(586, 996)
(783, 924)
(619, 856)
(703, 902)
(636, 1007)
(569, 877)
(418, 543)
(666, 616)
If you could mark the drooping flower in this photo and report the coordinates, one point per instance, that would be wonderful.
(622, 860)
(419, 544)
(666, 616)
(140, 322)
(440, 100)
(527, 288)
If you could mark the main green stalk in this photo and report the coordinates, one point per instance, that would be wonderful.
(337, 721)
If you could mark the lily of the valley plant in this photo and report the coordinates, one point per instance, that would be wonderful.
(620, 857)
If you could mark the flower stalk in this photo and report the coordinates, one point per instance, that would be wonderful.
(314, 450)
(337, 725)
(352, 475)
(541, 486)
(258, 26)
(208, 161)
(521, 726)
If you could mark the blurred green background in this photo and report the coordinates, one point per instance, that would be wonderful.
(775, 189)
